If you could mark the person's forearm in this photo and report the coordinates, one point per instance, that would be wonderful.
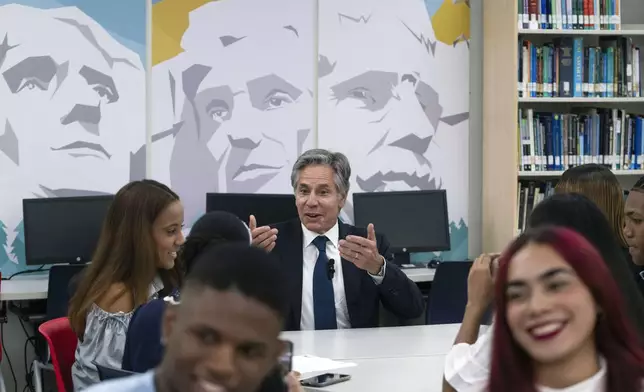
(469, 331)
(447, 387)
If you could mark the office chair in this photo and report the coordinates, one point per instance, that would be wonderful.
(60, 291)
(62, 342)
(448, 295)
(109, 373)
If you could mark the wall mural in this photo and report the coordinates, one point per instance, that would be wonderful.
(72, 87)
(233, 99)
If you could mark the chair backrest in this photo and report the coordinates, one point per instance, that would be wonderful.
(448, 295)
(62, 342)
(110, 373)
(60, 290)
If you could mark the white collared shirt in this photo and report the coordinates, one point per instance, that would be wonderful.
(467, 366)
(309, 258)
(467, 369)
(596, 383)
(155, 287)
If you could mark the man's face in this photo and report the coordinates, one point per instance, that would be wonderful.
(254, 110)
(73, 109)
(317, 198)
(633, 227)
(220, 342)
(377, 93)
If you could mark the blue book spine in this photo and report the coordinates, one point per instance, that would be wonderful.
(547, 72)
(638, 144)
(555, 142)
(591, 72)
(604, 83)
(581, 143)
(597, 133)
(611, 73)
(549, 144)
(558, 142)
(578, 55)
(554, 54)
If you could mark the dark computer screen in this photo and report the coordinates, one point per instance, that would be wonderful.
(414, 221)
(63, 229)
(267, 208)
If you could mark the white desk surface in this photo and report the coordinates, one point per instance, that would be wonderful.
(395, 342)
(22, 288)
(32, 287)
(419, 275)
(413, 374)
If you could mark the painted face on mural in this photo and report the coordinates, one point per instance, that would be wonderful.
(72, 99)
(376, 92)
(251, 106)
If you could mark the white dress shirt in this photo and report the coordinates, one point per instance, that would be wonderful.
(310, 256)
(467, 366)
(596, 383)
(467, 369)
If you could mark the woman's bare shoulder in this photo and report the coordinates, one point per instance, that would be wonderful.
(116, 299)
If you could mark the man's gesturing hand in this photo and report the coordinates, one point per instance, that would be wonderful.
(363, 252)
(263, 237)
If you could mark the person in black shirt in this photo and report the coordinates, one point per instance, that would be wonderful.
(634, 230)
(602, 187)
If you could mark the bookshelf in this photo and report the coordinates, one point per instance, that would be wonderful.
(502, 154)
(627, 30)
(557, 173)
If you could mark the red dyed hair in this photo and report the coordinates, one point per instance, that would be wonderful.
(512, 369)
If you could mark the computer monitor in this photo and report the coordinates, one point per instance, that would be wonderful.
(63, 229)
(267, 208)
(412, 221)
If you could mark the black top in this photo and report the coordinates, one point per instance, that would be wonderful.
(637, 270)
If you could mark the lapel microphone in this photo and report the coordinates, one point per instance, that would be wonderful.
(330, 269)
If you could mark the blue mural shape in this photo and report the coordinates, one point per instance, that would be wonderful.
(124, 26)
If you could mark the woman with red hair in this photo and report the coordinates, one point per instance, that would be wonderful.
(560, 320)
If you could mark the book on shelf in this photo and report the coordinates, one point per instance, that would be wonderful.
(569, 14)
(531, 193)
(558, 141)
(567, 68)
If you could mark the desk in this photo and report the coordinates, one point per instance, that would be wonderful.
(408, 359)
(22, 288)
(420, 275)
(396, 342)
(414, 374)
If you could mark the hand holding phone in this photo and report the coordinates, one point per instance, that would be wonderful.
(285, 360)
(325, 380)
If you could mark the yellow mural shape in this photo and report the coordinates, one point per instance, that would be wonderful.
(451, 24)
(451, 21)
(169, 22)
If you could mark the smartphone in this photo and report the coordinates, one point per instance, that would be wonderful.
(325, 380)
(285, 360)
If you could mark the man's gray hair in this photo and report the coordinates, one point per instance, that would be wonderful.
(336, 160)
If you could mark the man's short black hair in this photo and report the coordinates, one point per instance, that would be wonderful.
(245, 269)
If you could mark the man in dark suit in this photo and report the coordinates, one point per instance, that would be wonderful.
(339, 273)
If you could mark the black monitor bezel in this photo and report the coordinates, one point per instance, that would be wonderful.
(412, 249)
(47, 261)
(250, 196)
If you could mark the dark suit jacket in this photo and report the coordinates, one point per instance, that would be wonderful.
(397, 293)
